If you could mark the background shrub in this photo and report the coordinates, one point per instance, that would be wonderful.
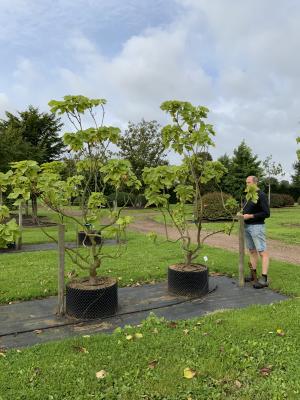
(281, 200)
(288, 200)
(213, 206)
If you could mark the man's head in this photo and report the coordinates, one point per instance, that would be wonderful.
(251, 180)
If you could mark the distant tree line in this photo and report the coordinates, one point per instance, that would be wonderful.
(35, 135)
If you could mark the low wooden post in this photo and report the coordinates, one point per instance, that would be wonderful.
(241, 250)
(61, 270)
(19, 242)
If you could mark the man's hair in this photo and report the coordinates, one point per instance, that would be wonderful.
(254, 179)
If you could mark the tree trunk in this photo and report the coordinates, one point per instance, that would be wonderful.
(95, 265)
(19, 244)
(26, 208)
(34, 209)
(189, 258)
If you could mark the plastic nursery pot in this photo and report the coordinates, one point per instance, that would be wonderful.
(11, 245)
(191, 281)
(84, 301)
(85, 240)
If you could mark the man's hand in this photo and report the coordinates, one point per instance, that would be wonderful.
(248, 216)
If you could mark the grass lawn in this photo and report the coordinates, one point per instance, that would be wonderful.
(31, 235)
(235, 354)
(251, 353)
(34, 274)
(283, 225)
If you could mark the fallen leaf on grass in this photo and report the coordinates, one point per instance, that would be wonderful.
(129, 337)
(86, 336)
(152, 364)
(186, 331)
(138, 335)
(36, 372)
(172, 324)
(80, 349)
(101, 374)
(280, 332)
(2, 354)
(189, 373)
(237, 383)
(155, 330)
(265, 371)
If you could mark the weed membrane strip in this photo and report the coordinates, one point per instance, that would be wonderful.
(21, 323)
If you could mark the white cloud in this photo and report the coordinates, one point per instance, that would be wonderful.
(240, 58)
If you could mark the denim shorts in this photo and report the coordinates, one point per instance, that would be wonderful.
(255, 237)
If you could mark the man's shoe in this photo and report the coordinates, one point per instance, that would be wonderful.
(260, 284)
(252, 277)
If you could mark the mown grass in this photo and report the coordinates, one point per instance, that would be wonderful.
(32, 235)
(251, 353)
(235, 354)
(32, 275)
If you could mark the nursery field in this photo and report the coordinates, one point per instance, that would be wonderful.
(251, 353)
(283, 225)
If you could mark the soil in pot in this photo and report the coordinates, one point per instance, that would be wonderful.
(85, 301)
(84, 239)
(188, 280)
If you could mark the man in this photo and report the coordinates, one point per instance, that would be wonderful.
(254, 217)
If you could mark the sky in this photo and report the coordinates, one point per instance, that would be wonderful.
(240, 59)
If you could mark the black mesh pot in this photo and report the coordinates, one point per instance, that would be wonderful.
(84, 239)
(11, 245)
(189, 281)
(92, 302)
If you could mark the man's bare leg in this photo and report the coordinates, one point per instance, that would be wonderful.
(265, 262)
(253, 258)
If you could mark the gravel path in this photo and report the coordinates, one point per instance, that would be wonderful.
(277, 250)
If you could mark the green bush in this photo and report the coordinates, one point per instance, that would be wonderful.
(281, 200)
(213, 206)
(288, 200)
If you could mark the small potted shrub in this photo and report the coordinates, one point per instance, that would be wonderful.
(9, 230)
(189, 135)
(92, 296)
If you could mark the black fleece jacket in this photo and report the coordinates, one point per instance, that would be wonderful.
(260, 210)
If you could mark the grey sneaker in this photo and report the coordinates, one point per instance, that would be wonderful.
(260, 284)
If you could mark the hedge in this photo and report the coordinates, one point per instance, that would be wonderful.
(213, 206)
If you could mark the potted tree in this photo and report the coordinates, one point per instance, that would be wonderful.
(91, 296)
(189, 135)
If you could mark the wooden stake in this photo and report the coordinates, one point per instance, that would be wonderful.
(241, 250)
(61, 270)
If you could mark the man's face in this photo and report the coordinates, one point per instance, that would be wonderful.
(249, 181)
